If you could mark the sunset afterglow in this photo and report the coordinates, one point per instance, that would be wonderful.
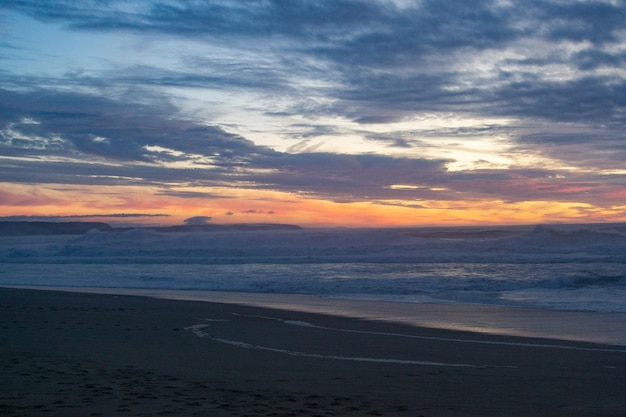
(332, 113)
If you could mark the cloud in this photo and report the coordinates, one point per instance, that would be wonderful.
(84, 217)
(347, 177)
(173, 153)
(140, 146)
(591, 99)
(197, 220)
(377, 60)
(190, 194)
(109, 141)
(182, 110)
(111, 129)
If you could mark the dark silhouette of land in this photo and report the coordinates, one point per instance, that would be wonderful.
(32, 228)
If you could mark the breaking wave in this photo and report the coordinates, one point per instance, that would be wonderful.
(557, 267)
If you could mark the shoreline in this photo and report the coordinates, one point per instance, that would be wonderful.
(569, 326)
(85, 354)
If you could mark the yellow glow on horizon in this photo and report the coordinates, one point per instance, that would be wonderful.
(228, 205)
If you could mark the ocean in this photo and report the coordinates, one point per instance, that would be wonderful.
(574, 268)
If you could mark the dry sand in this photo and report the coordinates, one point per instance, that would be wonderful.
(72, 354)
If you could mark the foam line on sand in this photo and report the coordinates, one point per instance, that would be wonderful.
(448, 339)
(201, 330)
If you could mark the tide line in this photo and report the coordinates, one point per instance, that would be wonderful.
(346, 358)
(444, 339)
(200, 331)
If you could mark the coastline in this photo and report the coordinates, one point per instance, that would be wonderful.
(83, 354)
(591, 327)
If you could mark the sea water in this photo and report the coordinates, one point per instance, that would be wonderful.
(571, 286)
(560, 268)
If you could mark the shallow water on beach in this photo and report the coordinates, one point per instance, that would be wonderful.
(593, 327)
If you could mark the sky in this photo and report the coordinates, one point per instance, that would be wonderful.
(317, 113)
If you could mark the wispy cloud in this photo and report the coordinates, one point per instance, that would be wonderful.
(346, 101)
(84, 217)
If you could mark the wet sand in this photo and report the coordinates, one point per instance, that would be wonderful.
(73, 354)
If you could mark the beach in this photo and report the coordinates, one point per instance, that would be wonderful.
(80, 354)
